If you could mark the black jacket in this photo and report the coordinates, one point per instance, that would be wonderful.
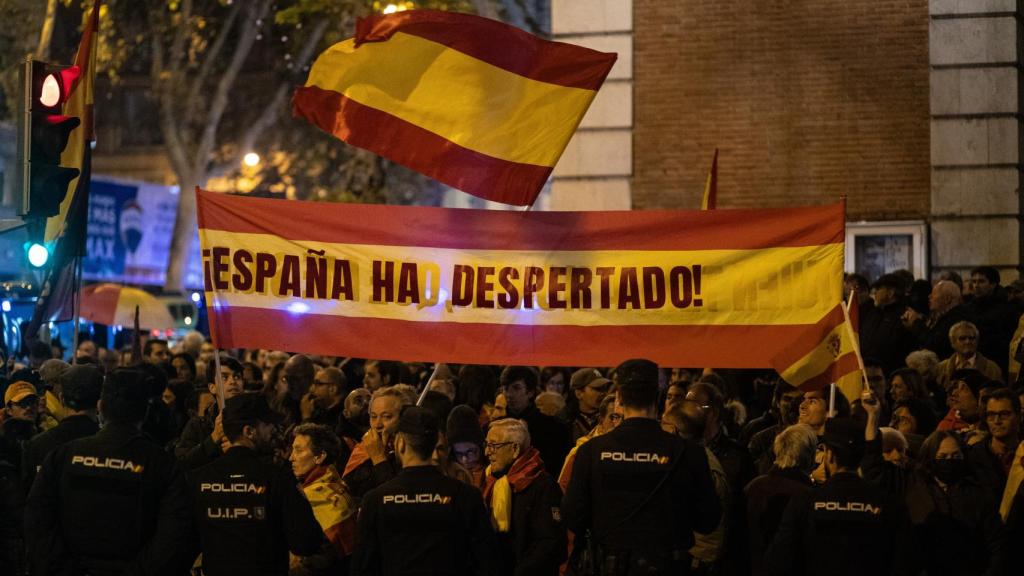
(987, 469)
(615, 473)
(12, 513)
(423, 522)
(536, 544)
(250, 514)
(996, 320)
(550, 436)
(936, 336)
(767, 497)
(195, 447)
(112, 503)
(368, 476)
(70, 428)
(884, 337)
(845, 527)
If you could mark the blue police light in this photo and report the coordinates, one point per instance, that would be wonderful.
(5, 306)
(38, 255)
(196, 297)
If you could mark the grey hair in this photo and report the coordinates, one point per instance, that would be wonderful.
(398, 391)
(963, 326)
(515, 430)
(795, 447)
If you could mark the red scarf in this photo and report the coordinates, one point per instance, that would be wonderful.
(522, 473)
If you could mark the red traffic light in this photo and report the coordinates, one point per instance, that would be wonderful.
(51, 89)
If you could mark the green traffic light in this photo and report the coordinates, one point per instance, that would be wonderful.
(38, 255)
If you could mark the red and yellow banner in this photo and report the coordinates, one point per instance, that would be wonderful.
(724, 288)
(475, 103)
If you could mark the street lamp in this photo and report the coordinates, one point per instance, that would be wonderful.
(251, 159)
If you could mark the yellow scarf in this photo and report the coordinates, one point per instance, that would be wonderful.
(501, 504)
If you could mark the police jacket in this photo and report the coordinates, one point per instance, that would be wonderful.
(112, 503)
(70, 428)
(844, 527)
(537, 543)
(250, 514)
(615, 473)
(422, 522)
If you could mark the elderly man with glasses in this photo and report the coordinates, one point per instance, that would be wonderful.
(524, 502)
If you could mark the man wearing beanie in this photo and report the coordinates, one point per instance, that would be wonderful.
(78, 391)
(639, 491)
(845, 527)
(422, 522)
(250, 512)
(112, 503)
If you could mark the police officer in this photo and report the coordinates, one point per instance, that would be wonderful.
(845, 526)
(112, 503)
(249, 512)
(421, 521)
(638, 491)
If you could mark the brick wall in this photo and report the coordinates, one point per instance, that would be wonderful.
(807, 100)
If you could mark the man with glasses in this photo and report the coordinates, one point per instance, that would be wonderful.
(524, 502)
(963, 336)
(21, 402)
(202, 440)
(992, 458)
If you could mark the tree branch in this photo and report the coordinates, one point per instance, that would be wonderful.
(208, 140)
(168, 127)
(272, 111)
(191, 104)
(46, 34)
(181, 31)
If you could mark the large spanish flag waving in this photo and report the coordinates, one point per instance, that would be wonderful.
(474, 103)
(726, 288)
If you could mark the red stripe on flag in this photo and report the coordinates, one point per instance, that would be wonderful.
(842, 366)
(421, 150)
(810, 339)
(241, 327)
(502, 230)
(496, 43)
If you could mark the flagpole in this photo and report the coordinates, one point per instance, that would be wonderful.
(853, 340)
(419, 401)
(832, 400)
(77, 305)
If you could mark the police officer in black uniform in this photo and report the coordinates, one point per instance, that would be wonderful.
(638, 493)
(249, 511)
(846, 526)
(421, 521)
(110, 504)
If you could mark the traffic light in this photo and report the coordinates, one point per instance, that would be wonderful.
(43, 134)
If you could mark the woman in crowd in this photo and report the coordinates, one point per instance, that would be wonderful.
(314, 448)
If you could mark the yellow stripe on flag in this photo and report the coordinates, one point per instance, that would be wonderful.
(453, 95)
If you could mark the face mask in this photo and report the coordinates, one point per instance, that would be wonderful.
(950, 471)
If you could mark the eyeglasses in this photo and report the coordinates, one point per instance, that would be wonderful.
(25, 404)
(1001, 415)
(494, 446)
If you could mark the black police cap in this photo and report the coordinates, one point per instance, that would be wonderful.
(418, 421)
(81, 385)
(249, 408)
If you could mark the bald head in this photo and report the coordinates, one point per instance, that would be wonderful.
(944, 296)
(298, 371)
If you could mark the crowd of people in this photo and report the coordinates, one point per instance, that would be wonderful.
(177, 457)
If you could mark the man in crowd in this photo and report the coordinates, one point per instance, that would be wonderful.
(111, 503)
(50, 373)
(79, 393)
(156, 351)
(202, 440)
(995, 317)
(373, 461)
(964, 401)
(381, 373)
(524, 502)
(589, 387)
(992, 458)
(324, 402)
(520, 385)
(945, 309)
(882, 333)
(787, 399)
(298, 373)
(846, 526)
(646, 524)
(422, 522)
(250, 513)
(964, 338)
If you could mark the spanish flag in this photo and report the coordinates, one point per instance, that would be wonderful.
(822, 354)
(474, 103)
(710, 200)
